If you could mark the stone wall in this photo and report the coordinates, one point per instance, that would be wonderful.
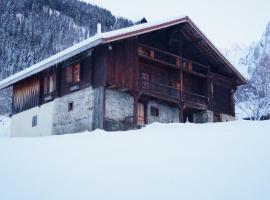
(118, 110)
(77, 120)
(226, 118)
(203, 117)
(167, 114)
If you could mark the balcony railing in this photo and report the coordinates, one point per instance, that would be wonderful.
(158, 89)
(194, 98)
(172, 60)
(172, 93)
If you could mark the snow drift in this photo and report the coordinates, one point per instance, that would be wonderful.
(162, 161)
(4, 126)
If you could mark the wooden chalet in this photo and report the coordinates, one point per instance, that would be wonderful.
(166, 72)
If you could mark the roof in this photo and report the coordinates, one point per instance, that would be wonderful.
(112, 36)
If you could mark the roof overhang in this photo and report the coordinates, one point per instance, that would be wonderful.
(112, 36)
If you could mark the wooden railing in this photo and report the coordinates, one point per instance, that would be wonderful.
(155, 88)
(172, 60)
(194, 98)
(161, 90)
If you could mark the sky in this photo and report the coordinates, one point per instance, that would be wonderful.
(225, 22)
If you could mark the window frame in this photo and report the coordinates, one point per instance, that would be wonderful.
(49, 85)
(34, 121)
(73, 74)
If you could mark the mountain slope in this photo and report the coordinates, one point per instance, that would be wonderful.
(246, 58)
(239, 55)
(32, 30)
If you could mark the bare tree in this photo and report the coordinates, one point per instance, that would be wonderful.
(254, 97)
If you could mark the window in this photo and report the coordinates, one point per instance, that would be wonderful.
(73, 74)
(154, 112)
(70, 106)
(49, 84)
(34, 121)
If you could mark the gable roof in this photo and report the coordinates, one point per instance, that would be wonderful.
(103, 38)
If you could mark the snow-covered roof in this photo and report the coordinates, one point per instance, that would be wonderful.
(104, 38)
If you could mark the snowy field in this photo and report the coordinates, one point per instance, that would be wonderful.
(229, 161)
(4, 126)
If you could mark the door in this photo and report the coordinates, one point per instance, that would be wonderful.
(141, 114)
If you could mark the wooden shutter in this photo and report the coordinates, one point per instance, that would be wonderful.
(141, 117)
(69, 74)
(45, 85)
(76, 73)
(52, 83)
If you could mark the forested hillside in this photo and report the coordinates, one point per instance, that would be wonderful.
(31, 30)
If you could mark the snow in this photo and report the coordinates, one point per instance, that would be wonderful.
(236, 55)
(162, 161)
(4, 126)
(19, 17)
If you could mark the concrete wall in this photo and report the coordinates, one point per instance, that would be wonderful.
(21, 123)
(118, 106)
(167, 114)
(80, 118)
(203, 117)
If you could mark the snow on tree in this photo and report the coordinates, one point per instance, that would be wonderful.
(32, 30)
(254, 97)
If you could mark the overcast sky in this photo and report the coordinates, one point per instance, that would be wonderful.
(223, 21)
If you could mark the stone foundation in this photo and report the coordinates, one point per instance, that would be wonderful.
(226, 118)
(77, 120)
(203, 117)
(119, 108)
(167, 114)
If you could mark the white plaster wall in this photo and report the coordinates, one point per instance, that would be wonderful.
(80, 118)
(118, 105)
(167, 114)
(21, 123)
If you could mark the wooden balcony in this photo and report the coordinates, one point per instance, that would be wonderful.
(171, 60)
(159, 90)
(195, 99)
(172, 94)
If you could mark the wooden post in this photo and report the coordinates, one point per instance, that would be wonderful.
(210, 92)
(181, 112)
(135, 109)
(181, 85)
(41, 88)
(232, 103)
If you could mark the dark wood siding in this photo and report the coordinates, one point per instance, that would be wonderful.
(86, 70)
(222, 99)
(121, 63)
(194, 84)
(26, 94)
(99, 67)
(156, 74)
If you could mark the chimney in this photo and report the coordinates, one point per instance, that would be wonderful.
(98, 28)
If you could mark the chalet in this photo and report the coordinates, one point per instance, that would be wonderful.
(164, 72)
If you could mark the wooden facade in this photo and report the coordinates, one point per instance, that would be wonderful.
(168, 65)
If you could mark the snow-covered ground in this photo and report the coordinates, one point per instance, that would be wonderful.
(4, 126)
(173, 161)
